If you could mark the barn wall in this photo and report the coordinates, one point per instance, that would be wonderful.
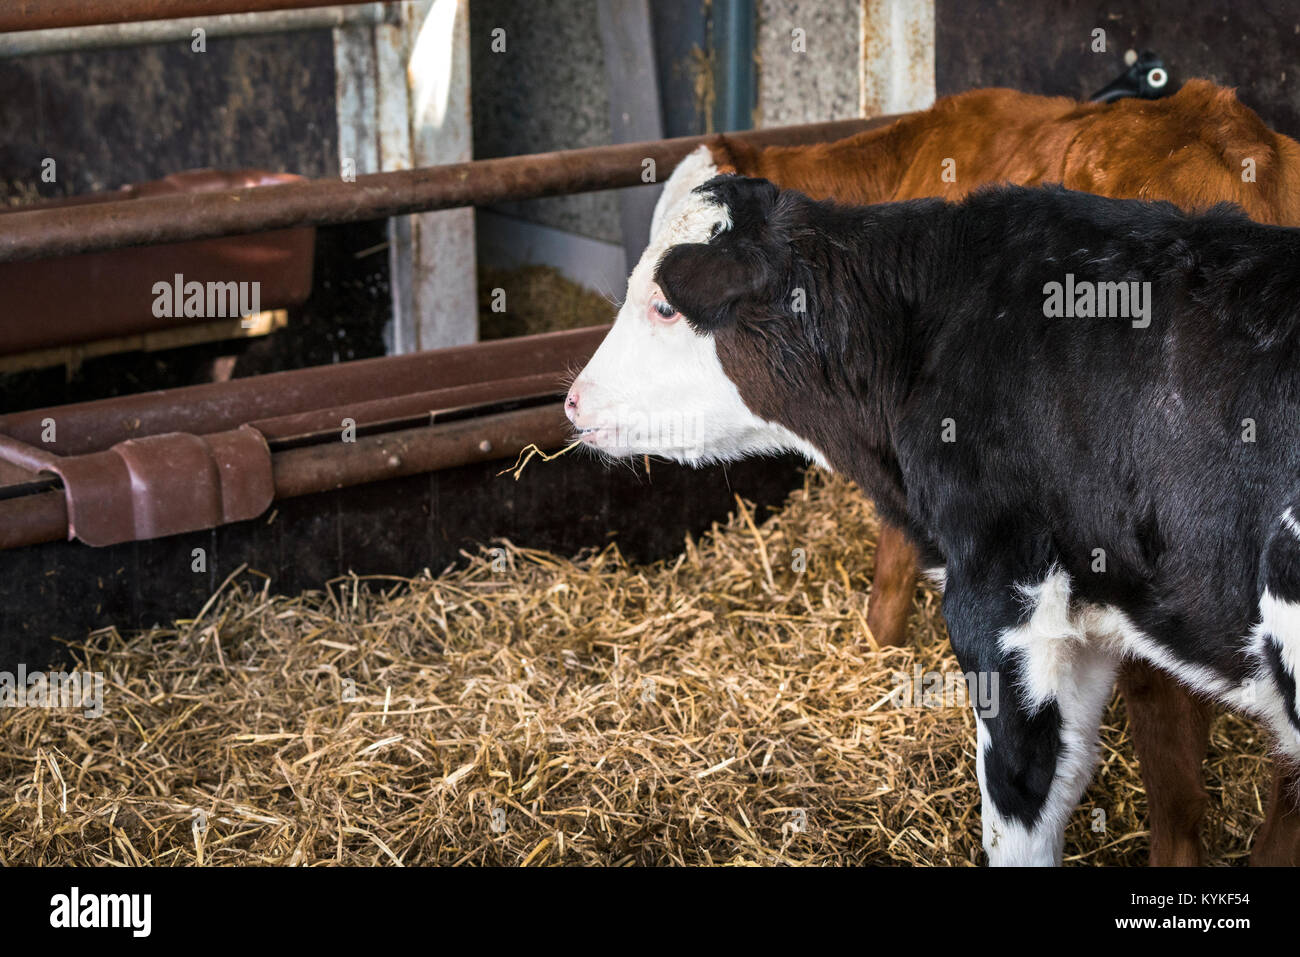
(121, 115)
(1045, 48)
(116, 116)
(545, 92)
(819, 83)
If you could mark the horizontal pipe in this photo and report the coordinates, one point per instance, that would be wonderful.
(81, 228)
(18, 15)
(33, 519)
(440, 402)
(319, 468)
(213, 407)
(43, 516)
(109, 35)
(25, 456)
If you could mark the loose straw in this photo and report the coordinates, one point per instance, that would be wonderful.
(526, 455)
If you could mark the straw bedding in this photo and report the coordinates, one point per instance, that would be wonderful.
(718, 708)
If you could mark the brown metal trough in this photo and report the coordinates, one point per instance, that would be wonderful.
(161, 463)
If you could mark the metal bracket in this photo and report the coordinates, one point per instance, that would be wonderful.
(158, 485)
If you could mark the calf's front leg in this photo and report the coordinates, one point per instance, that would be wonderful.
(1170, 728)
(1037, 736)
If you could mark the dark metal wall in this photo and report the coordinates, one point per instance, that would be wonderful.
(60, 590)
(1045, 47)
(110, 117)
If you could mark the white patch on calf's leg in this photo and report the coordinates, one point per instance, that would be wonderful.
(1059, 664)
(1009, 842)
(1049, 641)
(1277, 639)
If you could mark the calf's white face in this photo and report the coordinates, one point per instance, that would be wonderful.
(655, 386)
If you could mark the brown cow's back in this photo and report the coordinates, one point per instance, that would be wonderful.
(1188, 149)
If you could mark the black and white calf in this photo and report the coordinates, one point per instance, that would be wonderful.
(1117, 474)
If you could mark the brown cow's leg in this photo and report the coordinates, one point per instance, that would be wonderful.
(1277, 842)
(892, 588)
(1171, 732)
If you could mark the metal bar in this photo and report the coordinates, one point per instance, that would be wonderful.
(25, 456)
(43, 516)
(74, 229)
(318, 468)
(427, 404)
(104, 36)
(32, 519)
(734, 41)
(18, 15)
(214, 407)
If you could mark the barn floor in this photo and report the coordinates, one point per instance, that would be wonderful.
(529, 709)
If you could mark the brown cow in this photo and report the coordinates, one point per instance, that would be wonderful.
(1199, 147)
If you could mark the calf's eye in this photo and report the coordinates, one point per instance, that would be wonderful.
(662, 311)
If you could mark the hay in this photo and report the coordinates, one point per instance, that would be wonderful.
(719, 708)
(538, 299)
(531, 451)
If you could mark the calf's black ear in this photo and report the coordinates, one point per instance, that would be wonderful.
(705, 282)
(749, 201)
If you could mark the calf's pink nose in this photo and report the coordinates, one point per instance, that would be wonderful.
(571, 405)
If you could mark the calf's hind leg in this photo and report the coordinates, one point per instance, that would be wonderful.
(1038, 742)
(1275, 692)
(1277, 842)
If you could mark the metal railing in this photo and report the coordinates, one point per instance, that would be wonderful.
(73, 229)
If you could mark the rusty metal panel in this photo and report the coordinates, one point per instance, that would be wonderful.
(16, 15)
